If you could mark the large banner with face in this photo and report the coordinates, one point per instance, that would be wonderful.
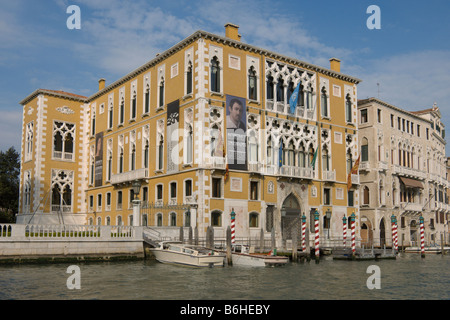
(173, 115)
(236, 124)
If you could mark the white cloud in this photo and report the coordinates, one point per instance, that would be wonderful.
(411, 81)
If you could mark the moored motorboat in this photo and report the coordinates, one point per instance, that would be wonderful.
(189, 255)
(241, 257)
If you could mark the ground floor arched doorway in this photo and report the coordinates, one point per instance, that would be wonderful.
(290, 217)
(366, 233)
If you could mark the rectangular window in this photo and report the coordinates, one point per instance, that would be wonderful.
(173, 190)
(253, 190)
(379, 115)
(364, 118)
(108, 201)
(188, 188)
(392, 120)
(91, 202)
(159, 192)
(326, 196)
(350, 199)
(216, 187)
(119, 200)
(99, 202)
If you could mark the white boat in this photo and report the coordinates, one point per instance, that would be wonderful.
(241, 257)
(188, 255)
(435, 249)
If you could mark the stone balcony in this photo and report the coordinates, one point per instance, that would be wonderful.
(128, 177)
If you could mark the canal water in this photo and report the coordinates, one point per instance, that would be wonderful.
(409, 277)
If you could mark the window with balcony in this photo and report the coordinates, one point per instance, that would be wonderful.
(62, 188)
(29, 141)
(215, 75)
(110, 116)
(63, 141)
(147, 99)
(161, 94)
(160, 155)
(269, 88)
(324, 103)
(99, 202)
(133, 106)
(364, 150)
(173, 192)
(121, 111)
(119, 200)
(108, 201)
(348, 109)
(159, 193)
(252, 84)
(189, 78)
(280, 90)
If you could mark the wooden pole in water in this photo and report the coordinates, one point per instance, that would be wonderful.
(190, 235)
(422, 238)
(261, 241)
(272, 235)
(181, 235)
(442, 244)
(229, 256)
(294, 243)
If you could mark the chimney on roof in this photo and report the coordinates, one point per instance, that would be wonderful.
(335, 64)
(232, 31)
(101, 84)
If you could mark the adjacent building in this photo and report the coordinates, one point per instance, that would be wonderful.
(206, 129)
(403, 173)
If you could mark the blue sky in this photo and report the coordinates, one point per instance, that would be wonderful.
(409, 56)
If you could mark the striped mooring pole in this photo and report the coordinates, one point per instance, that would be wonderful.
(303, 233)
(316, 240)
(396, 235)
(394, 232)
(422, 238)
(352, 217)
(344, 229)
(233, 222)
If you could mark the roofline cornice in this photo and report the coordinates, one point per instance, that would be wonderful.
(52, 93)
(187, 41)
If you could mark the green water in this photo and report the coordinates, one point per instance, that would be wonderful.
(409, 277)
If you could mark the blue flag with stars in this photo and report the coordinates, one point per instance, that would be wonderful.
(294, 98)
(280, 155)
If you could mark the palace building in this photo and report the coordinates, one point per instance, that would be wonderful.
(403, 173)
(205, 128)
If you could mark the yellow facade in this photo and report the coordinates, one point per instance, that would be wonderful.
(257, 195)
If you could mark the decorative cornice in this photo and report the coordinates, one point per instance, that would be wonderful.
(182, 44)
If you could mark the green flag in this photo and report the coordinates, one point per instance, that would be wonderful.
(313, 161)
